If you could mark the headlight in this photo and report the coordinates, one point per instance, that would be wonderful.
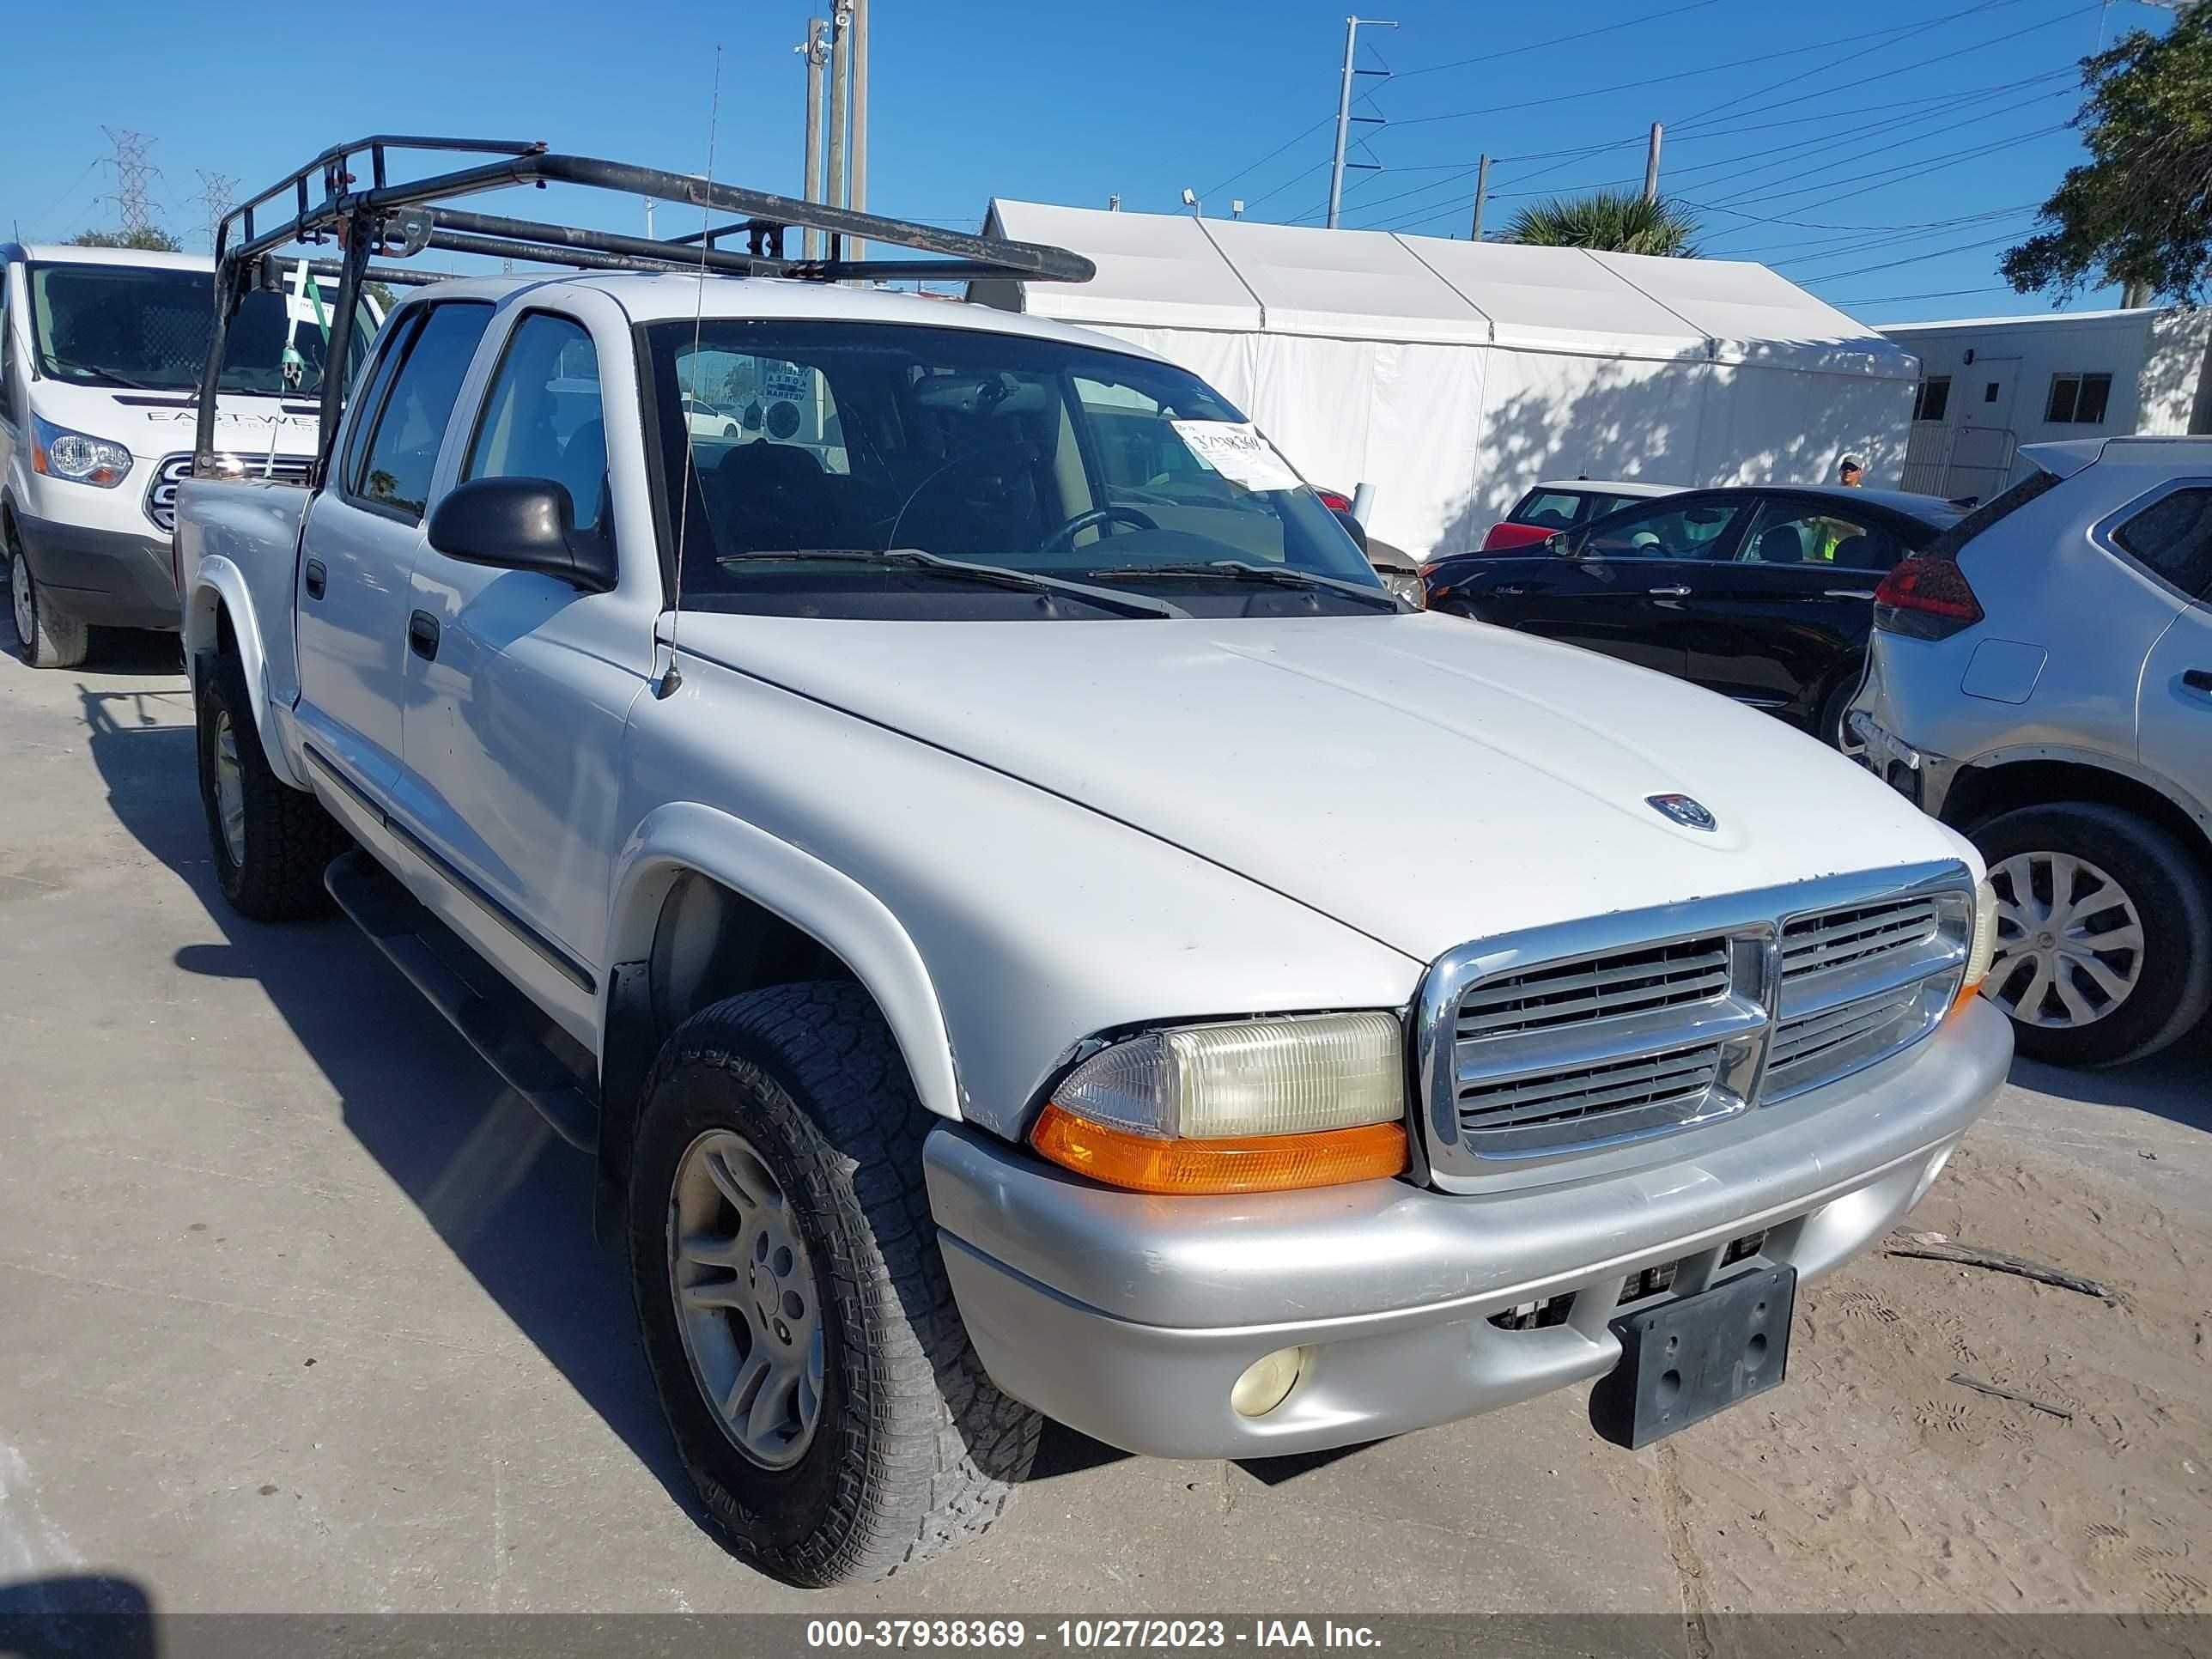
(76, 456)
(1241, 1106)
(1982, 949)
(1403, 585)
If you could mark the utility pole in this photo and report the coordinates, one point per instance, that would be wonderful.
(840, 81)
(816, 55)
(134, 196)
(1482, 190)
(217, 192)
(1344, 115)
(1651, 166)
(648, 200)
(860, 203)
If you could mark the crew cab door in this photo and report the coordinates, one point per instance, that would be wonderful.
(364, 530)
(518, 685)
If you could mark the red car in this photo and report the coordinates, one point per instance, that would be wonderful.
(1553, 506)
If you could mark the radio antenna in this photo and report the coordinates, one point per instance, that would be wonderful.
(673, 680)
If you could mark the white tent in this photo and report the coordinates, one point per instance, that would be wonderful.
(1453, 375)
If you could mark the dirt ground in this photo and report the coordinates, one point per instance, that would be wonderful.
(2005, 1507)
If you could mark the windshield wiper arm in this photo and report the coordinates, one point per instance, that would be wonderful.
(1236, 570)
(999, 575)
(107, 375)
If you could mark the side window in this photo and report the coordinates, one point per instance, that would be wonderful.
(403, 449)
(1549, 509)
(2078, 399)
(361, 409)
(2174, 537)
(7, 350)
(1933, 398)
(542, 418)
(1698, 531)
(1787, 533)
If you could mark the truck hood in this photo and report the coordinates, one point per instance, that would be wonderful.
(1423, 780)
(152, 424)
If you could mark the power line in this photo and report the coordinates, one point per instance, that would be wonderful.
(1940, 294)
(1912, 259)
(1561, 40)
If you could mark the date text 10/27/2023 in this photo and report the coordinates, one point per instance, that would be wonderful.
(1089, 1634)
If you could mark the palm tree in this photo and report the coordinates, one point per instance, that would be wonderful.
(1611, 220)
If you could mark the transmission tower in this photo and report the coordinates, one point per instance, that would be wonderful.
(218, 191)
(134, 174)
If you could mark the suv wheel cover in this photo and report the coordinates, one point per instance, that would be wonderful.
(2070, 940)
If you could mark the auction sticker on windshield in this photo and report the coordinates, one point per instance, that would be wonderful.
(1236, 450)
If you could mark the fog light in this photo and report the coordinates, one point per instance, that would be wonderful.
(1267, 1382)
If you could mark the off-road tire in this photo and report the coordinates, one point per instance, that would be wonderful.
(914, 1451)
(2170, 894)
(53, 641)
(290, 839)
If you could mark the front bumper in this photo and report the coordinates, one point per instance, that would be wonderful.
(1130, 1317)
(110, 578)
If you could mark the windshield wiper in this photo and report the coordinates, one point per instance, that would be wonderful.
(998, 575)
(1235, 570)
(108, 376)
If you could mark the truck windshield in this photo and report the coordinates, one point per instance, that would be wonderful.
(146, 327)
(836, 443)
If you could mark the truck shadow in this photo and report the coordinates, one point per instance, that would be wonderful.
(510, 1200)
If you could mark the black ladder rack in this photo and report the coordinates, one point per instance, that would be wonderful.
(388, 219)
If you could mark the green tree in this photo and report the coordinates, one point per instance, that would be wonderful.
(2140, 211)
(382, 293)
(148, 240)
(1615, 222)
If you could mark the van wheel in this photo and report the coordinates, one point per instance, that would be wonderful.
(271, 842)
(813, 1368)
(48, 638)
(2103, 932)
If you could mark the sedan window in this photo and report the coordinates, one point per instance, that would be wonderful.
(1697, 530)
(1788, 534)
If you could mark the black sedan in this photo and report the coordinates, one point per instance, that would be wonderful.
(1765, 593)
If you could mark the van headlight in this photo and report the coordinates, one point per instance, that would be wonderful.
(79, 457)
(1237, 1106)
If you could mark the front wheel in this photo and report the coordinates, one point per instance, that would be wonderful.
(2104, 948)
(270, 842)
(813, 1368)
(48, 638)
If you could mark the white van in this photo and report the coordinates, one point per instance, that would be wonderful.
(101, 355)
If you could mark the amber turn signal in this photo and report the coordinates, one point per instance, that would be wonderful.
(1252, 1164)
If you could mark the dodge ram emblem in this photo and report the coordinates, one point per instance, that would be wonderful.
(1684, 810)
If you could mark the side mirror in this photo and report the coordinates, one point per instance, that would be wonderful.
(522, 524)
(1352, 527)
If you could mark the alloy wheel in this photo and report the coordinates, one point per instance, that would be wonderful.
(230, 789)
(2070, 940)
(747, 1301)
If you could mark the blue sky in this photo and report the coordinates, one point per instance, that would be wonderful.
(1883, 154)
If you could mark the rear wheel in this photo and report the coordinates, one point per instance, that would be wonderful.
(2104, 948)
(47, 639)
(814, 1373)
(271, 842)
(1833, 729)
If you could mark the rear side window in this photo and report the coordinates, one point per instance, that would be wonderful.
(403, 448)
(2174, 537)
(1548, 509)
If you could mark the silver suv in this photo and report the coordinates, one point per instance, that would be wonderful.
(2041, 678)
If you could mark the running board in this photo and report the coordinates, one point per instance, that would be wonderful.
(495, 1017)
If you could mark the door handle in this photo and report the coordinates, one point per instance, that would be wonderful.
(318, 578)
(1847, 593)
(1670, 592)
(423, 635)
(2197, 679)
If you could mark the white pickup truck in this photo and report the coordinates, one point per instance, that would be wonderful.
(1024, 930)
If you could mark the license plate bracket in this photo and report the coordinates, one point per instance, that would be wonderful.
(1687, 1359)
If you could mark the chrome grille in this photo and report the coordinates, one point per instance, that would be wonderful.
(1531, 1048)
(1633, 983)
(162, 493)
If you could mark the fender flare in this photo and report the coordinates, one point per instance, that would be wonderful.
(218, 586)
(2012, 754)
(686, 837)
